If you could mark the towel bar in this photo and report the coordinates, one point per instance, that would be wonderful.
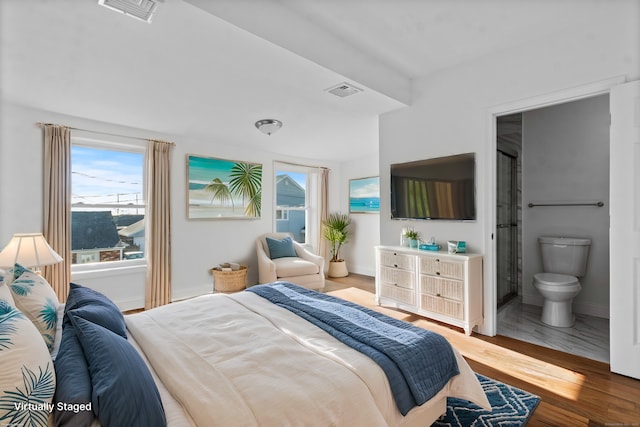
(598, 204)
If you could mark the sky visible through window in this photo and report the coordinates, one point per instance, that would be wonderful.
(102, 176)
(300, 178)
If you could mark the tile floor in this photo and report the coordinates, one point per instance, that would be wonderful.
(589, 337)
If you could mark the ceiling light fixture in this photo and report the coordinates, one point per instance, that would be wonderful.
(268, 126)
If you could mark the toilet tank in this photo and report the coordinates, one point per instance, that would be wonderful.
(564, 255)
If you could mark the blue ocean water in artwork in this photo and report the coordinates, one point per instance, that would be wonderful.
(364, 204)
(196, 185)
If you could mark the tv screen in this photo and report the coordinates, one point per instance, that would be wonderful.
(437, 188)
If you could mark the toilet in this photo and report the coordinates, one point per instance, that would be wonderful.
(564, 259)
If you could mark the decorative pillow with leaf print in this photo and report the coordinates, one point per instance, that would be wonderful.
(36, 299)
(13, 273)
(5, 294)
(27, 377)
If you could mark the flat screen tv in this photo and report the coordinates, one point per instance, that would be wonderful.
(437, 188)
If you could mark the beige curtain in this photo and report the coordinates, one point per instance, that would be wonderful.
(57, 205)
(323, 208)
(158, 231)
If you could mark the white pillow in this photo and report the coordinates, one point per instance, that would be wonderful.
(37, 300)
(58, 336)
(27, 376)
(5, 294)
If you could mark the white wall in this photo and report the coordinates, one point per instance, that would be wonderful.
(359, 252)
(452, 112)
(566, 159)
(197, 245)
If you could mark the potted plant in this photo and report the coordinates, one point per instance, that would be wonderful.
(336, 230)
(413, 236)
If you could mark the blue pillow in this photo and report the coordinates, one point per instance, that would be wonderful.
(124, 392)
(93, 306)
(281, 248)
(73, 383)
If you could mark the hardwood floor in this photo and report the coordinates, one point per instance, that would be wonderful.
(575, 391)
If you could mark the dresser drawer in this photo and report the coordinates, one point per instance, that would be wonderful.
(447, 307)
(398, 293)
(398, 260)
(397, 277)
(442, 287)
(439, 267)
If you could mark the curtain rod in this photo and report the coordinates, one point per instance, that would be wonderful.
(298, 164)
(106, 133)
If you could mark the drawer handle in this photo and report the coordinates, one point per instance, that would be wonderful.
(437, 259)
(437, 273)
(438, 295)
(395, 265)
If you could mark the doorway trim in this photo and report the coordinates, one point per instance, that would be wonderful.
(559, 97)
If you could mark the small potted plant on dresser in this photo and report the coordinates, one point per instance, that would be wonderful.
(335, 229)
(413, 236)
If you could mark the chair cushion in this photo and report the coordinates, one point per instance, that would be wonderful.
(280, 248)
(289, 267)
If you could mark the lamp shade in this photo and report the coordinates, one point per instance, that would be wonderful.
(29, 250)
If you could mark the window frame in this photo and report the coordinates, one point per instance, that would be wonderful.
(114, 143)
(311, 208)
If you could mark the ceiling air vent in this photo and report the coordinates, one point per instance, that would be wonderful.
(139, 9)
(344, 89)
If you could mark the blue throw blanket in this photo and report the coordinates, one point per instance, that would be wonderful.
(417, 362)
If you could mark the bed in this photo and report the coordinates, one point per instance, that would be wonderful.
(225, 360)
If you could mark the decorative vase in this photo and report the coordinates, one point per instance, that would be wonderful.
(337, 269)
(413, 243)
(404, 240)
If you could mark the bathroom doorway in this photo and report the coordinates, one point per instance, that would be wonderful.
(552, 154)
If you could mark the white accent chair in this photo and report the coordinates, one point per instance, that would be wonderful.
(307, 269)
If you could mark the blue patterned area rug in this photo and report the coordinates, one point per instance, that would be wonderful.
(511, 407)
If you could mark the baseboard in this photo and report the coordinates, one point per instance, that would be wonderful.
(127, 304)
(365, 271)
(194, 291)
(591, 309)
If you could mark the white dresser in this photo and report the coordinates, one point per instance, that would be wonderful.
(444, 287)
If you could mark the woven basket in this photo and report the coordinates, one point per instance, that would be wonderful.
(229, 281)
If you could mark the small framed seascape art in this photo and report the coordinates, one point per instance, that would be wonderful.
(223, 189)
(364, 195)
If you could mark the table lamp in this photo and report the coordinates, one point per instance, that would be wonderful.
(30, 250)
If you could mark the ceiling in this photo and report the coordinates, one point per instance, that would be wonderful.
(208, 69)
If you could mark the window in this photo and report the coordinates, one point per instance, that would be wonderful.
(282, 214)
(107, 202)
(296, 207)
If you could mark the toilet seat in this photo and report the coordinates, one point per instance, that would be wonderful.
(555, 279)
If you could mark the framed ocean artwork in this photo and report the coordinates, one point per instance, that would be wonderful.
(364, 195)
(223, 189)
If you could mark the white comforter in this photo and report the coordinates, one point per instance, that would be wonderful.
(239, 360)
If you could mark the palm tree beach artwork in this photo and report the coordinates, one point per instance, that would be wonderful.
(219, 188)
